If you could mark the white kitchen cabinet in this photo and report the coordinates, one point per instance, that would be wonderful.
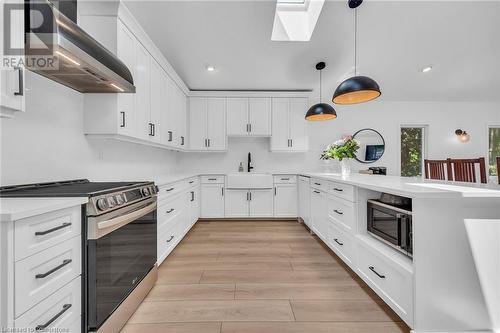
(285, 200)
(12, 74)
(304, 196)
(259, 116)
(319, 214)
(249, 116)
(158, 103)
(289, 128)
(207, 119)
(212, 200)
(242, 203)
(142, 103)
(237, 116)
(261, 203)
(236, 204)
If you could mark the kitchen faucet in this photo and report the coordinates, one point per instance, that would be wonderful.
(249, 165)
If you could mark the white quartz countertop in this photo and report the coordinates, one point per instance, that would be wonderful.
(13, 209)
(413, 187)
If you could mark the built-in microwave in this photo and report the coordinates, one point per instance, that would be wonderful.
(392, 225)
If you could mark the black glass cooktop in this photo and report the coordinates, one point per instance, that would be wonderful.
(70, 188)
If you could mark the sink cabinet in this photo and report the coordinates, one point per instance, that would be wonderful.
(242, 203)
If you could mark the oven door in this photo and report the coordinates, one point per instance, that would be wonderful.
(386, 222)
(121, 254)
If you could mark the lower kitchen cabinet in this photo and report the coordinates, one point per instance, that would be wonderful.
(319, 213)
(304, 199)
(285, 200)
(249, 203)
(212, 204)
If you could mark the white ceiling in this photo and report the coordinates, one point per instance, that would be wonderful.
(461, 39)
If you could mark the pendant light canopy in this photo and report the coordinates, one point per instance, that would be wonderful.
(320, 111)
(357, 89)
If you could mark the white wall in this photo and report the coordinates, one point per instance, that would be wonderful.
(443, 119)
(47, 143)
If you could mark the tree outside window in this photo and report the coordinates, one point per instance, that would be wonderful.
(412, 151)
(494, 149)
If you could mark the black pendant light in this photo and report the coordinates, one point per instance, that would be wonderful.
(320, 111)
(357, 89)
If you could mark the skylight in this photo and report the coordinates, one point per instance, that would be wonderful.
(295, 20)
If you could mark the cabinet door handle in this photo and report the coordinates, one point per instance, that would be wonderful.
(169, 189)
(247, 196)
(337, 241)
(222, 188)
(170, 239)
(250, 195)
(51, 320)
(150, 129)
(20, 92)
(55, 269)
(122, 124)
(274, 190)
(376, 273)
(291, 142)
(170, 210)
(154, 129)
(209, 142)
(182, 141)
(192, 195)
(170, 136)
(338, 212)
(45, 232)
(250, 128)
(338, 189)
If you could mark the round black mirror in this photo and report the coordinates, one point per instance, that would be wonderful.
(371, 145)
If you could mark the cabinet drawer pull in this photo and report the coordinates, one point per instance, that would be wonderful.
(45, 232)
(170, 239)
(337, 241)
(170, 210)
(316, 192)
(319, 184)
(192, 181)
(20, 92)
(338, 189)
(169, 189)
(122, 113)
(51, 320)
(55, 269)
(338, 212)
(212, 179)
(374, 271)
(285, 178)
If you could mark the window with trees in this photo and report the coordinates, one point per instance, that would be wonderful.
(493, 149)
(412, 150)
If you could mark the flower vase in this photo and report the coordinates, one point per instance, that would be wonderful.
(345, 168)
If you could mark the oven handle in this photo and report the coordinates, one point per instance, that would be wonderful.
(107, 226)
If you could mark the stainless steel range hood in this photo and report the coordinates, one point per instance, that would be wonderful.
(60, 50)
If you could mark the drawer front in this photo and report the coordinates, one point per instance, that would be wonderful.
(42, 274)
(390, 281)
(166, 192)
(60, 312)
(285, 179)
(319, 184)
(168, 210)
(167, 239)
(342, 243)
(342, 212)
(38, 233)
(343, 191)
(213, 179)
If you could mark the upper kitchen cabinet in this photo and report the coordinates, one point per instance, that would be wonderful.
(142, 81)
(12, 72)
(175, 116)
(249, 116)
(289, 128)
(207, 124)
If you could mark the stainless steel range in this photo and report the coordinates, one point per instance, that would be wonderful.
(119, 245)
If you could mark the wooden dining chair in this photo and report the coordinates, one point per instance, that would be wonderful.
(435, 169)
(464, 170)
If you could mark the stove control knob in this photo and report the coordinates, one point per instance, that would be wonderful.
(102, 204)
(111, 202)
(145, 191)
(119, 200)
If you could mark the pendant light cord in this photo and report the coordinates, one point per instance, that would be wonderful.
(355, 40)
(320, 85)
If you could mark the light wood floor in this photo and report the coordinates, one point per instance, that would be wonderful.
(259, 277)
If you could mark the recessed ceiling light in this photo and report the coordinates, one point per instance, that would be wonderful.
(210, 68)
(426, 69)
